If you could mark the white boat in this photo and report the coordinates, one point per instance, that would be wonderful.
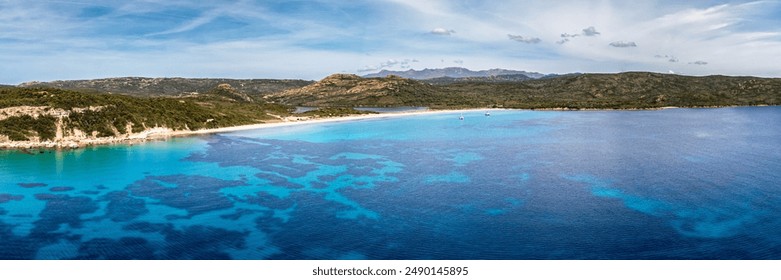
(461, 117)
(487, 114)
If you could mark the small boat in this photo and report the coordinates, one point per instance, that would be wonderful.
(461, 117)
(487, 114)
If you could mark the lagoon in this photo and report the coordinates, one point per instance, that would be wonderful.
(666, 184)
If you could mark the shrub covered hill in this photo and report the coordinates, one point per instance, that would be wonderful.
(632, 90)
(40, 114)
(339, 90)
(141, 86)
(93, 109)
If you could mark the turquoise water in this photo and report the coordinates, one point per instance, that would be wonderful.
(670, 184)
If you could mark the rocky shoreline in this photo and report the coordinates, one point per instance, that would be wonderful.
(74, 142)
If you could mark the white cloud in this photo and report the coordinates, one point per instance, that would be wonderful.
(389, 64)
(442, 31)
(367, 68)
(40, 41)
(527, 40)
(669, 58)
(622, 44)
(590, 31)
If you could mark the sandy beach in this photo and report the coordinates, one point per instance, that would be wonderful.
(315, 121)
(162, 132)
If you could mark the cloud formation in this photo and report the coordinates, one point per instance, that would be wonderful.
(309, 40)
(519, 38)
(442, 31)
(669, 58)
(390, 63)
(622, 44)
(590, 31)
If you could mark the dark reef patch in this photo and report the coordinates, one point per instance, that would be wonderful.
(126, 248)
(303, 230)
(146, 227)
(13, 247)
(202, 242)
(122, 207)
(270, 201)
(6, 197)
(196, 194)
(32, 185)
(279, 181)
(62, 209)
(240, 213)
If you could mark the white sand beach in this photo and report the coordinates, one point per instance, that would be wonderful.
(162, 132)
(312, 121)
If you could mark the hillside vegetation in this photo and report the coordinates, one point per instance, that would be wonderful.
(38, 113)
(146, 87)
(596, 91)
(348, 90)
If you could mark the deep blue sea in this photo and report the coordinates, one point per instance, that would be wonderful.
(668, 184)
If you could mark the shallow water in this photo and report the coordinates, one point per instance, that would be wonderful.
(670, 184)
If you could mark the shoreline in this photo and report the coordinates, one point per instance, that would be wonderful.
(325, 120)
(159, 133)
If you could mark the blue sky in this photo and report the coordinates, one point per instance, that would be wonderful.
(84, 39)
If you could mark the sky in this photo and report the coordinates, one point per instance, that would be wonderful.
(85, 39)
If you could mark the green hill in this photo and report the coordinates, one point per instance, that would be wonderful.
(351, 90)
(599, 91)
(146, 87)
(39, 113)
(28, 113)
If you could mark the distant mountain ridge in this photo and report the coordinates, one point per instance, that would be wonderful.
(490, 79)
(452, 72)
(628, 90)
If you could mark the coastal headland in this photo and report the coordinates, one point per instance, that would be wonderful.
(72, 114)
(158, 133)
